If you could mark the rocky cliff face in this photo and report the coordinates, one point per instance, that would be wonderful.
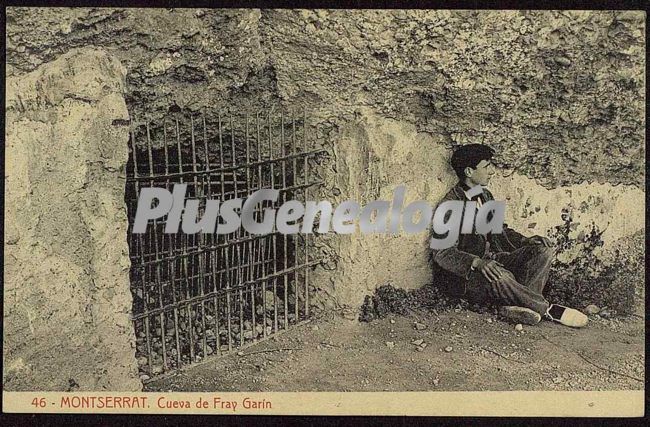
(559, 94)
(66, 288)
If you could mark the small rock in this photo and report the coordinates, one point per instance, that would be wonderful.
(417, 342)
(605, 314)
(563, 60)
(420, 348)
(557, 380)
(592, 309)
(449, 349)
(392, 320)
(240, 353)
(144, 377)
(390, 344)
(423, 345)
(519, 327)
(157, 369)
(436, 381)
(419, 326)
(315, 328)
(489, 320)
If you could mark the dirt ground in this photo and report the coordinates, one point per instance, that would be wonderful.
(464, 351)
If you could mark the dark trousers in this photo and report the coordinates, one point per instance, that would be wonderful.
(523, 282)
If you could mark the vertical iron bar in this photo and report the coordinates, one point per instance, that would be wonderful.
(198, 191)
(237, 246)
(184, 252)
(262, 241)
(275, 290)
(295, 238)
(285, 237)
(172, 263)
(142, 254)
(157, 255)
(306, 174)
(251, 262)
(225, 250)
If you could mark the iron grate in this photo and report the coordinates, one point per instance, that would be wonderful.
(199, 295)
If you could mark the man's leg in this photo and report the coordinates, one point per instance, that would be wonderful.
(529, 264)
(506, 291)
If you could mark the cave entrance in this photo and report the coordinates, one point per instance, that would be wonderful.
(201, 295)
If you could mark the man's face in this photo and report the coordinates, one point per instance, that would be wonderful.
(482, 173)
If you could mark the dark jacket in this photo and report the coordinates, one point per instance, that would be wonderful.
(458, 258)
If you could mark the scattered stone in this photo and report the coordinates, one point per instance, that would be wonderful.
(592, 309)
(449, 349)
(315, 328)
(240, 353)
(144, 377)
(390, 344)
(419, 326)
(421, 348)
(157, 369)
(557, 380)
(417, 342)
(519, 327)
(563, 60)
(605, 314)
(392, 320)
(489, 320)
(436, 381)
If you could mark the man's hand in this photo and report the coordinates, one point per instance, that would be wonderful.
(540, 240)
(490, 269)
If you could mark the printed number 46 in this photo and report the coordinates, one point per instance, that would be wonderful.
(39, 402)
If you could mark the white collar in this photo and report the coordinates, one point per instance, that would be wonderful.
(474, 191)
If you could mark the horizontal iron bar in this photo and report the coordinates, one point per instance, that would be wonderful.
(220, 292)
(168, 283)
(224, 353)
(227, 244)
(251, 165)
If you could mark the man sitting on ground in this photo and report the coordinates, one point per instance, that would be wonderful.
(506, 269)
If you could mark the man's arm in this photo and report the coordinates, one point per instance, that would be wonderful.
(455, 261)
(516, 238)
(452, 259)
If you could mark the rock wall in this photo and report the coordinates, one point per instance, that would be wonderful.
(66, 283)
(373, 156)
(559, 94)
